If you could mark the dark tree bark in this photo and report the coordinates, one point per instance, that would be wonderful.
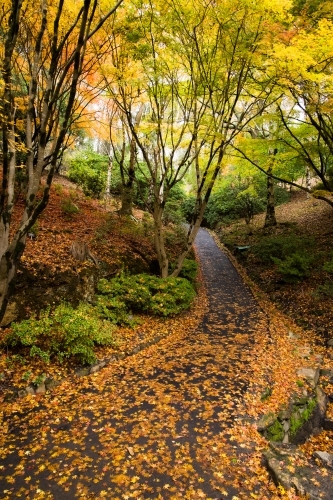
(270, 220)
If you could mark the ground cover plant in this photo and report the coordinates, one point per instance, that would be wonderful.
(66, 332)
(143, 293)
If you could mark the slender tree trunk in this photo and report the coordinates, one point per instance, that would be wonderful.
(307, 181)
(159, 240)
(270, 220)
(127, 193)
(108, 180)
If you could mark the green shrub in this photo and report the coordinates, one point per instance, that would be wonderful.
(326, 289)
(143, 293)
(295, 267)
(281, 247)
(189, 270)
(235, 200)
(328, 266)
(68, 207)
(63, 333)
(275, 432)
(291, 253)
(298, 419)
(89, 170)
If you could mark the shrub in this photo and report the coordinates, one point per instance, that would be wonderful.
(68, 207)
(189, 270)
(328, 266)
(281, 247)
(143, 293)
(63, 333)
(89, 170)
(294, 267)
(235, 200)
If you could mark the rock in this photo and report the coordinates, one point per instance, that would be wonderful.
(322, 401)
(30, 390)
(292, 335)
(41, 389)
(82, 372)
(305, 479)
(325, 457)
(97, 367)
(330, 343)
(286, 425)
(284, 415)
(265, 422)
(328, 424)
(121, 355)
(22, 393)
(285, 438)
(11, 314)
(311, 374)
(51, 383)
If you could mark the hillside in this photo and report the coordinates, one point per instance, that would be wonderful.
(309, 224)
(49, 274)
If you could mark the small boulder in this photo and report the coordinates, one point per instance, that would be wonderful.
(311, 374)
(326, 458)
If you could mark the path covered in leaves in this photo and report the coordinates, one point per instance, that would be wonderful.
(157, 425)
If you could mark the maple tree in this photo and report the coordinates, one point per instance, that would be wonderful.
(202, 80)
(47, 55)
(302, 57)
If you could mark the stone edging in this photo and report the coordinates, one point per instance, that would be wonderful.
(50, 383)
(282, 457)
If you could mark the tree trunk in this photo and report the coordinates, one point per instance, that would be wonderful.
(307, 181)
(108, 180)
(127, 192)
(270, 220)
(159, 241)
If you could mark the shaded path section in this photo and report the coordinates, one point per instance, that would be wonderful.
(153, 426)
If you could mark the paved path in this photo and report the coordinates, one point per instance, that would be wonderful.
(155, 425)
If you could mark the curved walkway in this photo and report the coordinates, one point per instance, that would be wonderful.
(156, 425)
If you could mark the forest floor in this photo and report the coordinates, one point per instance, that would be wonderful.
(175, 421)
(308, 301)
(47, 264)
(49, 274)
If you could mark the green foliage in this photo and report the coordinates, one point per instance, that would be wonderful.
(326, 289)
(189, 270)
(328, 266)
(295, 267)
(143, 293)
(39, 379)
(68, 207)
(291, 253)
(63, 333)
(275, 432)
(26, 375)
(234, 200)
(281, 246)
(298, 419)
(173, 212)
(89, 170)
